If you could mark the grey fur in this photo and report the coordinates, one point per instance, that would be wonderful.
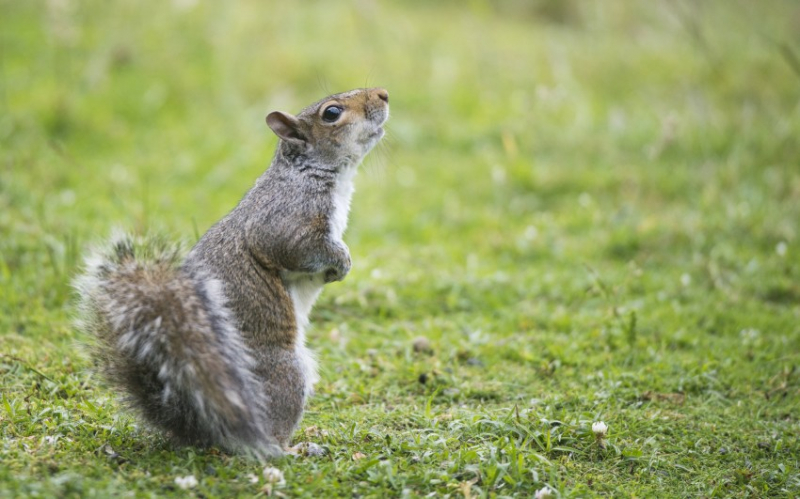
(211, 349)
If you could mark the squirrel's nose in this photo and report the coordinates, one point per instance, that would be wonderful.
(383, 95)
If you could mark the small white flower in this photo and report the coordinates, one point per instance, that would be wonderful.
(781, 248)
(186, 482)
(599, 428)
(544, 493)
(50, 440)
(252, 478)
(686, 279)
(273, 475)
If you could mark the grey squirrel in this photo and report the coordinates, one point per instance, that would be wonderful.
(211, 349)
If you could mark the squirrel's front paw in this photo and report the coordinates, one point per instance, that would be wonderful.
(338, 271)
(334, 274)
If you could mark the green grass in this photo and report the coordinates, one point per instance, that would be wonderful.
(590, 209)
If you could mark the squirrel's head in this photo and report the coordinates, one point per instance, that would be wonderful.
(339, 130)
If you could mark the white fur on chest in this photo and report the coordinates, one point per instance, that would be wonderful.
(342, 194)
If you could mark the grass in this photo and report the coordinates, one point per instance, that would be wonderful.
(590, 210)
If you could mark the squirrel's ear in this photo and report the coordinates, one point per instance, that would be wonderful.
(285, 126)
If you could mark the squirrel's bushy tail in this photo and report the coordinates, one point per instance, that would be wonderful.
(167, 340)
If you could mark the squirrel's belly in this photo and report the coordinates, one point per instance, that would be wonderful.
(304, 290)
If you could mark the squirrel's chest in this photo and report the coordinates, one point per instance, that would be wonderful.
(341, 196)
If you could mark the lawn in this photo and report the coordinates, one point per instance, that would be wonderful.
(582, 212)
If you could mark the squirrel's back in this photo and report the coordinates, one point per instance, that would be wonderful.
(168, 341)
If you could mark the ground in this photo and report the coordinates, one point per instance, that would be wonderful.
(582, 212)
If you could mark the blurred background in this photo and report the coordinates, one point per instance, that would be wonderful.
(527, 138)
(589, 209)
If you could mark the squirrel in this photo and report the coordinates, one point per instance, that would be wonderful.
(210, 349)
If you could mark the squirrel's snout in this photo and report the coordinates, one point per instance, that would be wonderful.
(374, 111)
(379, 92)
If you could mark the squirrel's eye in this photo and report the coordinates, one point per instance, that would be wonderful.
(332, 113)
